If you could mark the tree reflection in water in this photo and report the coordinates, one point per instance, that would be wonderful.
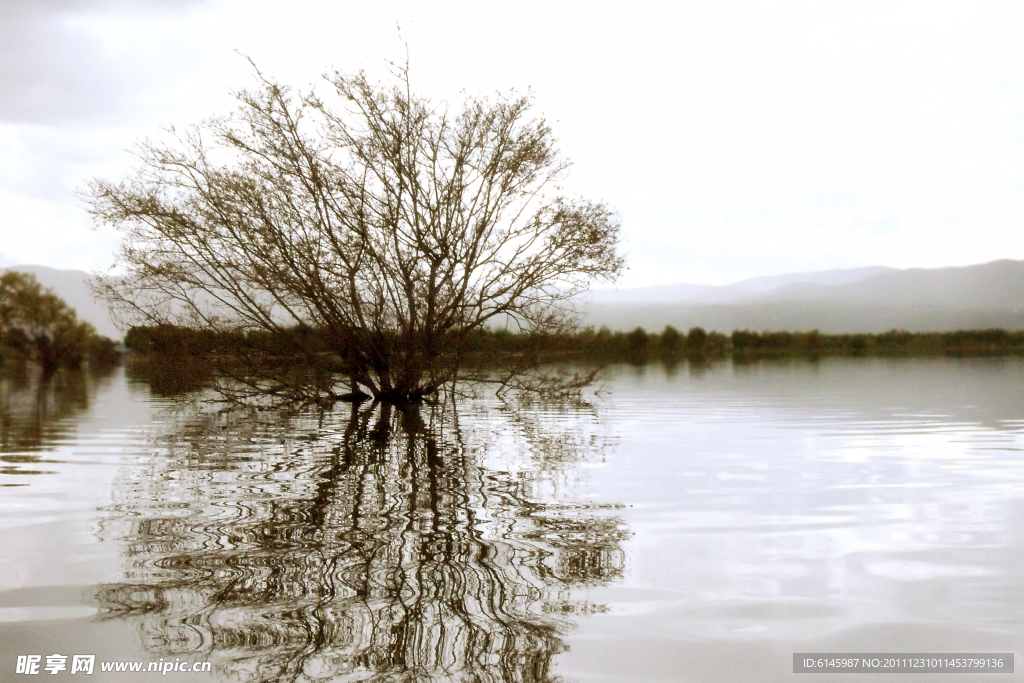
(376, 546)
(37, 411)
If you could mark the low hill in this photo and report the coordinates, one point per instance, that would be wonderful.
(835, 302)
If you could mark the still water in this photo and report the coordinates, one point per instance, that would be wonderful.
(681, 524)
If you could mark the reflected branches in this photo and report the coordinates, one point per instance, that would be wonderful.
(384, 544)
(35, 412)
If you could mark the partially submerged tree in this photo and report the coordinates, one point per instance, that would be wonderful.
(37, 326)
(392, 227)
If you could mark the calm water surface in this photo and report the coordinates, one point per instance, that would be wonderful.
(684, 524)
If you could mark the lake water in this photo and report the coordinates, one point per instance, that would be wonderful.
(683, 524)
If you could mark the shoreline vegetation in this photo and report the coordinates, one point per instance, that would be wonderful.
(37, 328)
(176, 360)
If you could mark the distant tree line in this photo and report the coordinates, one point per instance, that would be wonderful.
(892, 343)
(208, 351)
(37, 327)
(606, 345)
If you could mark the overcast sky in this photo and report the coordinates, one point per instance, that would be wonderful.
(736, 139)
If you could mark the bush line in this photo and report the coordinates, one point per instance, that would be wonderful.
(604, 345)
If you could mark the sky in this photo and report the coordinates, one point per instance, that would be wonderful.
(736, 139)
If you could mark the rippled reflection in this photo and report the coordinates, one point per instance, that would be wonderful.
(374, 545)
(37, 412)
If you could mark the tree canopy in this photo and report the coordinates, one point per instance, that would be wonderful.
(392, 226)
(37, 326)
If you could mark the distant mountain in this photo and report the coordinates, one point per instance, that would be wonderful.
(837, 301)
(73, 287)
(842, 276)
(735, 293)
(999, 284)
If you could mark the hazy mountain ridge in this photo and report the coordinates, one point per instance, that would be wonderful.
(870, 299)
(999, 284)
(737, 292)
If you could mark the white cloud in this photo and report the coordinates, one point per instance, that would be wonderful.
(58, 71)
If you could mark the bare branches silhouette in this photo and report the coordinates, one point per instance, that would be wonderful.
(377, 546)
(389, 226)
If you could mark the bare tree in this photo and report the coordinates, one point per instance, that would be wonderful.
(392, 227)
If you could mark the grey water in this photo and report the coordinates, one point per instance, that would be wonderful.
(681, 523)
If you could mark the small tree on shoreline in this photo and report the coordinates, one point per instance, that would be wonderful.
(37, 326)
(393, 227)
